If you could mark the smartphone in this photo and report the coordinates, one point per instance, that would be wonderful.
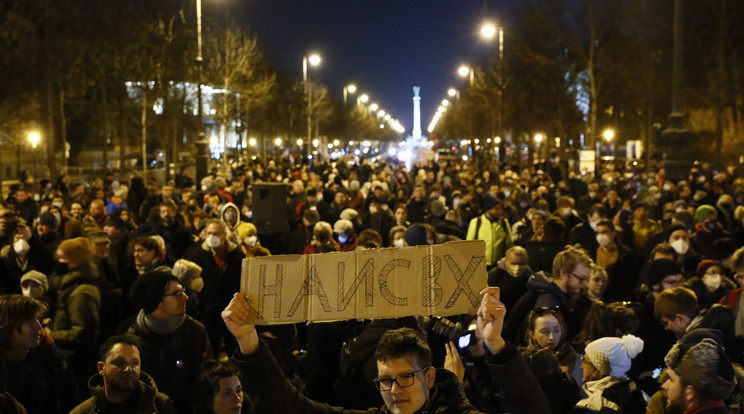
(464, 341)
(656, 372)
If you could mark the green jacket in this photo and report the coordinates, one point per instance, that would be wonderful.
(77, 317)
(497, 244)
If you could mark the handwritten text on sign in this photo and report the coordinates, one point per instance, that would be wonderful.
(437, 280)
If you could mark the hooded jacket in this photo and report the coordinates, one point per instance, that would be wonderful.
(149, 400)
(77, 319)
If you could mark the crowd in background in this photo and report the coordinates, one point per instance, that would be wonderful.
(601, 277)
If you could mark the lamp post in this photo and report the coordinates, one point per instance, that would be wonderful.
(464, 71)
(33, 138)
(314, 60)
(488, 32)
(202, 145)
(349, 89)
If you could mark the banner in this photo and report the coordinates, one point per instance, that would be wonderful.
(441, 280)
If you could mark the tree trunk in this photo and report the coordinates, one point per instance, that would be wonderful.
(143, 120)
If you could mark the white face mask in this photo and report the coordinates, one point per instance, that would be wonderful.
(592, 194)
(603, 240)
(398, 243)
(712, 282)
(514, 270)
(372, 210)
(319, 197)
(21, 247)
(213, 241)
(680, 246)
(33, 291)
(593, 225)
(565, 211)
(250, 240)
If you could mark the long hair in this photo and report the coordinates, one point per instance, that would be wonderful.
(208, 385)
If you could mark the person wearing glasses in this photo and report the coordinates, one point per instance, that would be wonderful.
(173, 345)
(405, 378)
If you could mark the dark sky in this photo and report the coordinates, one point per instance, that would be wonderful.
(385, 47)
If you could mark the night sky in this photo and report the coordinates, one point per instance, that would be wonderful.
(385, 47)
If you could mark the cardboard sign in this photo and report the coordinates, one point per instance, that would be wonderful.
(441, 280)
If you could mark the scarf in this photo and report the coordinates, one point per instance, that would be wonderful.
(160, 326)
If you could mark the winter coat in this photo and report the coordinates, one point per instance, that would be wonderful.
(512, 287)
(481, 228)
(77, 318)
(508, 369)
(611, 395)
(174, 360)
(149, 399)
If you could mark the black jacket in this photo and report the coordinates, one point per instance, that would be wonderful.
(264, 378)
(149, 399)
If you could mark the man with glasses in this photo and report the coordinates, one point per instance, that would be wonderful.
(407, 382)
(571, 270)
(120, 385)
(173, 345)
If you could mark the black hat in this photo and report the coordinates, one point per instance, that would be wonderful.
(661, 268)
(116, 222)
(489, 201)
(415, 235)
(148, 289)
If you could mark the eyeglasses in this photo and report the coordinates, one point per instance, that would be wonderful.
(403, 381)
(177, 293)
(581, 279)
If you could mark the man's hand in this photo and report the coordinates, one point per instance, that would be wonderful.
(490, 322)
(235, 315)
(453, 363)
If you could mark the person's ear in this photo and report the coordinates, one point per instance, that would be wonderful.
(100, 367)
(690, 393)
(683, 319)
(431, 375)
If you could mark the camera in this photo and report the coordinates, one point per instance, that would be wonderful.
(463, 334)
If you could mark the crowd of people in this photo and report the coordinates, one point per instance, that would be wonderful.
(615, 294)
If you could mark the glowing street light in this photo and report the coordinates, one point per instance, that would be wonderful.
(33, 138)
(374, 107)
(464, 71)
(299, 142)
(316, 143)
(380, 113)
(364, 98)
(539, 137)
(349, 89)
(336, 142)
(452, 92)
(278, 142)
(488, 30)
(608, 134)
(252, 142)
(445, 103)
(314, 60)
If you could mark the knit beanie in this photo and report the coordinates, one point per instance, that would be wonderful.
(415, 235)
(672, 228)
(47, 219)
(77, 250)
(489, 202)
(186, 269)
(612, 356)
(701, 362)
(37, 277)
(73, 228)
(704, 212)
(148, 289)
(704, 265)
(661, 268)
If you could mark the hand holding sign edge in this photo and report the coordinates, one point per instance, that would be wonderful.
(490, 320)
(234, 316)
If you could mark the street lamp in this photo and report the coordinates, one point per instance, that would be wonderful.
(349, 89)
(464, 71)
(202, 145)
(314, 60)
(445, 102)
(488, 31)
(364, 99)
(373, 107)
(608, 134)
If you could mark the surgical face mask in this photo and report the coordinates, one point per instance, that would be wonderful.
(507, 193)
(197, 284)
(603, 240)
(667, 187)
(32, 290)
(231, 216)
(319, 197)
(204, 188)
(250, 240)
(398, 243)
(593, 225)
(342, 238)
(712, 282)
(592, 194)
(680, 246)
(213, 241)
(372, 210)
(21, 247)
(57, 204)
(249, 214)
(514, 270)
(456, 203)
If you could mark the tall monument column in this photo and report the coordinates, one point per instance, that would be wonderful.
(416, 133)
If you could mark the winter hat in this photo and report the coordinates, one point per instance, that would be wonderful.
(415, 235)
(37, 277)
(186, 269)
(77, 250)
(704, 265)
(349, 214)
(701, 362)
(686, 218)
(148, 289)
(661, 268)
(612, 356)
(98, 236)
(117, 223)
(672, 228)
(437, 207)
(489, 201)
(723, 248)
(46, 218)
(342, 226)
(705, 212)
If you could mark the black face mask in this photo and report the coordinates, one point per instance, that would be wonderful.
(712, 225)
(61, 268)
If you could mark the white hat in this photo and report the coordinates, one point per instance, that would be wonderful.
(349, 214)
(612, 355)
(342, 226)
(37, 277)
